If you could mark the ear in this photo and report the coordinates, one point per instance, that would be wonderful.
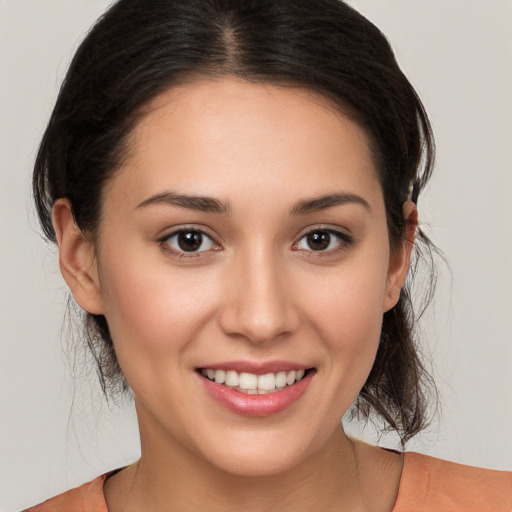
(76, 259)
(400, 258)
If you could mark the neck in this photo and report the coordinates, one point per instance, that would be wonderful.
(341, 475)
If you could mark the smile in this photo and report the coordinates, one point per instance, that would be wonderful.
(257, 390)
(251, 383)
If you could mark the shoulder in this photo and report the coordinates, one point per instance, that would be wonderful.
(429, 484)
(86, 498)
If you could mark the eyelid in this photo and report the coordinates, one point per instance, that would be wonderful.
(162, 242)
(345, 237)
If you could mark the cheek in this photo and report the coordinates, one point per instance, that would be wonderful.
(353, 332)
(347, 316)
(151, 309)
(350, 310)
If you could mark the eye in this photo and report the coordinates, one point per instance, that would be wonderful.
(323, 240)
(188, 241)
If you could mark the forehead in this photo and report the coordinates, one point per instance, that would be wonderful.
(212, 137)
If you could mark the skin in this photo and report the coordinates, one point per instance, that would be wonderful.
(256, 292)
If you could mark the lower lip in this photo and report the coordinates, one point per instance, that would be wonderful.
(257, 405)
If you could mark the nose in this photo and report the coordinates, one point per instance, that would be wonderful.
(259, 305)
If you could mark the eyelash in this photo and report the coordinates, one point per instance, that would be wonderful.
(165, 245)
(344, 242)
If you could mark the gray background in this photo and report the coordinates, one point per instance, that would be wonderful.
(458, 54)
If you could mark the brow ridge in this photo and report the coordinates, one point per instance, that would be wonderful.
(212, 205)
(306, 206)
(199, 203)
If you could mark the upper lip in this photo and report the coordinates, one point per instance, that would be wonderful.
(257, 367)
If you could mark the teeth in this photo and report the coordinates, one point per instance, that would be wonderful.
(281, 379)
(266, 382)
(220, 376)
(248, 381)
(231, 378)
(251, 383)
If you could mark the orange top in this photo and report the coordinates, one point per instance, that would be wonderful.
(427, 485)
(433, 485)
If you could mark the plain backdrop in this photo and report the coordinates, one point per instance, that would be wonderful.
(55, 430)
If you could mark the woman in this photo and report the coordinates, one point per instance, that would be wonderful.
(233, 189)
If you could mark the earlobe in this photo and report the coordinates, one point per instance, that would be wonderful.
(400, 259)
(76, 259)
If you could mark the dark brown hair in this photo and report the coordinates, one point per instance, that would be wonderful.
(139, 48)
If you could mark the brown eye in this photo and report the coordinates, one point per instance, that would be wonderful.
(318, 240)
(189, 241)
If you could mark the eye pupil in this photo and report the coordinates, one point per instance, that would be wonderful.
(319, 240)
(190, 241)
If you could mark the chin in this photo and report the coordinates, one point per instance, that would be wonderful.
(259, 465)
(258, 456)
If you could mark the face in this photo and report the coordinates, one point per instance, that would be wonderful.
(245, 239)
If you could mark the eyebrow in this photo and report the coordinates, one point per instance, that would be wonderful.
(211, 205)
(315, 204)
(198, 203)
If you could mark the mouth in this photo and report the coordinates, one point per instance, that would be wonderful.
(259, 392)
(256, 389)
(255, 384)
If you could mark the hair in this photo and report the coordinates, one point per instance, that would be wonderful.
(140, 48)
